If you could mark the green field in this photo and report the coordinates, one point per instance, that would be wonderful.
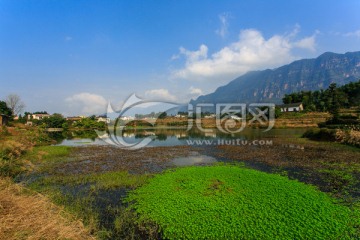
(229, 202)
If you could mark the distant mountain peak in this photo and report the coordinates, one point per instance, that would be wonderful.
(271, 85)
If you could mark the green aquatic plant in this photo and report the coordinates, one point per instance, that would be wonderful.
(229, 202)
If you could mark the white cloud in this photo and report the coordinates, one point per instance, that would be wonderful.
(87, 103)
(192, 55)
(308, 43)
(353, 34)
(174, 97)
(160, 95)
(195, 91)
(251, 52)
(224, 24)
(68, 38)
(192, 93)
(174, 57)
(195, 55)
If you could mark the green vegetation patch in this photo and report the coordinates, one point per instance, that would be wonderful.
(46, 156)
(51, 152)
(229, 202)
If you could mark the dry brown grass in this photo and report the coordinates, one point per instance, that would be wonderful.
(351, 137)
(27, 215)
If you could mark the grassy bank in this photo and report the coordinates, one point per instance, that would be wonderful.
(15, 144)
(26, 214)
(29, 215)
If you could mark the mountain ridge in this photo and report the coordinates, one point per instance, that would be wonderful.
(270, 85)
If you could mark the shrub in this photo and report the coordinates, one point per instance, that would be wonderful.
(13, 147)
(4, 132)
(322, 134)
(10, 152)
(351, 137)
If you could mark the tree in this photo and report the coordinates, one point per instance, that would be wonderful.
(15, 104)
(287, 99)
(277, 112)
(333, 99)
(54, 121)
(22, 119)
(162, 115)
(4, 109)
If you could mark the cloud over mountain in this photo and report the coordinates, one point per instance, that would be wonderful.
(252, 51)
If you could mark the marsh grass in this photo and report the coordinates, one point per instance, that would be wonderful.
(96, 199)
(48, 154)
(107, 180)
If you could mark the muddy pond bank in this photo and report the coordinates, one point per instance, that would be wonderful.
(93, 180)
(102, 158)
(333, 168)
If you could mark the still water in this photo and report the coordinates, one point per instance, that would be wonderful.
(175, 137)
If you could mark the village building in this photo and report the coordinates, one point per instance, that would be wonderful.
(210, 116)
(235, 117)
(38, 116)
(103, 119)
(292, 107)
(4, 119)
(74, 119)
(127, 118)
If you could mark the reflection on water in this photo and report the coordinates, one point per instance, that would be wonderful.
(193, 160)
(293, 146)
(80, 141)
(74, 137)
(171, 137)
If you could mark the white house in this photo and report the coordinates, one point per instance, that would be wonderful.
(103, 119)
(210, 116)
(235, 117)
(292, 107)
(38, 116)
(127, 118)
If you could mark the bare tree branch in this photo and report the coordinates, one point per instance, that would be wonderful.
(13, 101)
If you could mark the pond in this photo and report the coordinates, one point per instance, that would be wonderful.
(177, 137)
(193, 160)
(98, 176)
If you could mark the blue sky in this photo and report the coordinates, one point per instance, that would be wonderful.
(73, 56)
